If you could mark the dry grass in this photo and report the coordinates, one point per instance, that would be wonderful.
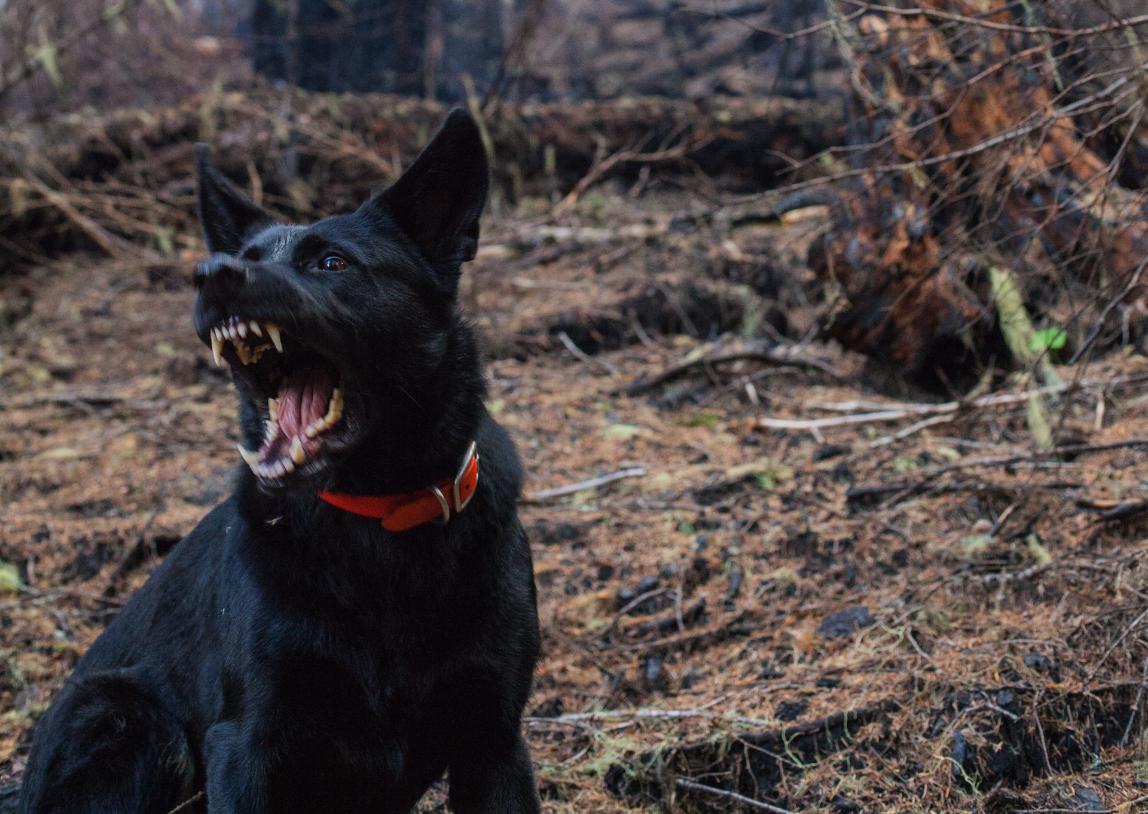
(680, 610)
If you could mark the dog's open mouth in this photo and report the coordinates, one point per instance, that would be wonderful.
(298, 391)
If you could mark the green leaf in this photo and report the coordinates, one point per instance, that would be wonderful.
(9, 579)
(622, 432)
(46, 54)
(1035, 547)
(1047, 340)
(709, 420)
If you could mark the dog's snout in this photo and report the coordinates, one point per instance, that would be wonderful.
(221, 270)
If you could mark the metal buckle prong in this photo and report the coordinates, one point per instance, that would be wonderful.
(471, 453)
(442, 503)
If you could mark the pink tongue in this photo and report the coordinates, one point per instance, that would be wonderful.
(303, 400)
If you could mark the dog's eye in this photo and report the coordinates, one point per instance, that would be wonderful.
(333, 262)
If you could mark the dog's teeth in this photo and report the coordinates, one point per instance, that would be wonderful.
(249, 457)
(287, 466)
(255, 329)
(270, 430)
(242, 329)
(334, 408)
(297, 453)
(312, 429)
(273, 408)
(217, 350)
(276, 339)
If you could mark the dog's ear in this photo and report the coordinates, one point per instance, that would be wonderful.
(226, 215)
(439, 199)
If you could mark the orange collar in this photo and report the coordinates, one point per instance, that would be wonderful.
(411, 509)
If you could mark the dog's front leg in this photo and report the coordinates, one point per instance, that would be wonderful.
(228, 779)
(498, 783)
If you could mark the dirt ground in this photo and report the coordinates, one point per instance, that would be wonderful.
(903, 615)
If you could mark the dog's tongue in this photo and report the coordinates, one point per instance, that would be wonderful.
(303, 399)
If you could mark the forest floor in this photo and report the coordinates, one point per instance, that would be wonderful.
(904, 615)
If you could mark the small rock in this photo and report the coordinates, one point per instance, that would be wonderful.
(1038, 661)
(647, 584)
(624, 597)
(1085, 799)
(845, 622)
(964, 758)
(1007, 700)
(654, 674)
(735, 579)
(827, 451)
(843, 805)
(691, 677)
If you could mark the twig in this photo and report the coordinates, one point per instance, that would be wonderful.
(1136, 704)
(592, 483)
(784, 356)
(644, 713)
(1133, 281)
(604, 166)
(1112, 648)
(733, 795)
(583, 356)
(981, 22)
(911, 410)
(33, 62)
(912, 429)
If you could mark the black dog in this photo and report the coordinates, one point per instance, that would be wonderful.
(359, 617)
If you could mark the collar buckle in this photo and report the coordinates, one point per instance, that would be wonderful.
(443, 504)
(459, 502)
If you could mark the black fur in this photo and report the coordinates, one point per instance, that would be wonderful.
(289, 656)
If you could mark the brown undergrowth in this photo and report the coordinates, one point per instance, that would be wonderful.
(823, 611)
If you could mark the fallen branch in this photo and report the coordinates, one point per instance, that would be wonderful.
(648, 773)
(592, 483)
(916, 410)
(732, 795)
(583, 356)
(643, 714)
(601, 168)
(783, 356)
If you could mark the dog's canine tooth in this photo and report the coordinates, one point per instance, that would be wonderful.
(255, 329)
(273, 409)
(286, 465)
(270, 429)
(276, 339)
(334, 407)
(249, 457)
(312, 429)
(217, 349)
(297, 453)
(242, 329)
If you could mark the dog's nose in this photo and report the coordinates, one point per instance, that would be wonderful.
(222, 270)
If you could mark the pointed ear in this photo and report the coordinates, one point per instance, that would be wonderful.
(439, 200)
(226, 215)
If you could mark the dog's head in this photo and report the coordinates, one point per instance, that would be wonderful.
(335, 328)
